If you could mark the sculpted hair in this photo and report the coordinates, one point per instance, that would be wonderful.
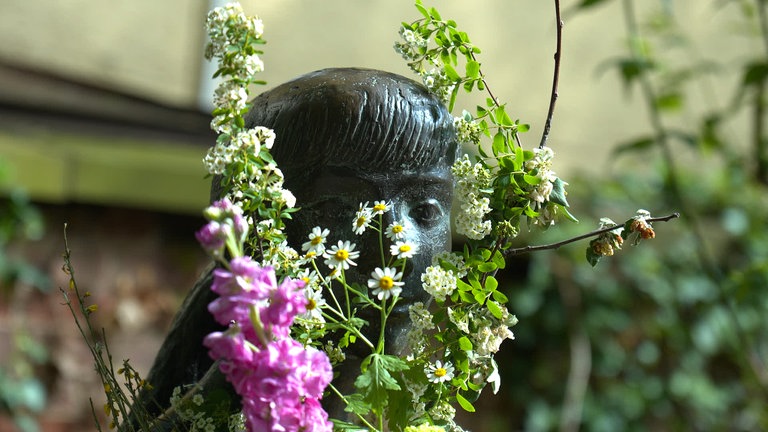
(359, 119)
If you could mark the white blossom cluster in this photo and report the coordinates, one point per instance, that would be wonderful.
(440, 282)
(467, 131)
(421, 323)
(242, 144)
(231, 33)
(438, 83)
(188, 411)
(470, 182)
(412, 44)
(226, 27)
(491, 332)
(413, 48)
(237, 153)
(541, 167)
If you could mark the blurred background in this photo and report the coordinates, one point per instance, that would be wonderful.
(104, 120)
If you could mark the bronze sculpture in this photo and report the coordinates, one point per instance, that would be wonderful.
(344, 137)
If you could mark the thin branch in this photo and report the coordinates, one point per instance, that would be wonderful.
(557, 245)
(555, 77)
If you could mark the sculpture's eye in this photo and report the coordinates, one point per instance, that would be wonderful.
(427, 214)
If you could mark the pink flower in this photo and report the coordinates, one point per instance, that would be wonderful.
(223, 345)
(285, 303)
(212, 237)
(279, 380)
(244, 275)
(225, 221)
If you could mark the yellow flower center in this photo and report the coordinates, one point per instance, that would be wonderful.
(386, 283)
(405, 248)
(397, 229)
(316, 241)
(361, 221)
(440, 372)
(305, 279)
(310, 254)
(341, 255)
(311, 304)
(380, 207)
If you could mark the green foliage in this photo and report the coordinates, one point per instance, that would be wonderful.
(22, 393)
(673, 335)
(376, 379)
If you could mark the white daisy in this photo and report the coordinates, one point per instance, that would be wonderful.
(316, 241)
(341, 255)
(440, 372)
(315, 302)
(386, 283)
(395, 231)
(380, 207)
(362, 220)
(403, 249)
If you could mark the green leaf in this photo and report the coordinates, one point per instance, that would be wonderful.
(558, 193)
(498, 144)
(568, 214)
(376, 379)
(532, 179)
(589, 3)
(473, 69)
(454, 93)
(522, 127)
(507, 163)
(670, 101)
(502, 118)
(451, 73)
(435, 14)
(346, 426)
(422, 10)
(486, 267)
(479, 296)
(755, 73)
(465, 344)
(356, 404)
(498, 259)
(495, 309)
(464, 403)
(491, 283)
(499, 297)
(592, 257)
(466, 296)
(463, 286)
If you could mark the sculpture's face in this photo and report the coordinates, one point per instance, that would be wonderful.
(420, 201)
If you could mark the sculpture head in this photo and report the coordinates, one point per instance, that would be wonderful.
(350, 136)
(344, 136)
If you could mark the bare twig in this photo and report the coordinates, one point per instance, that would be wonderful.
(555, 77)
(557, 245)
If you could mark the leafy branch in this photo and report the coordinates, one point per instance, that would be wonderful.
(595, 233)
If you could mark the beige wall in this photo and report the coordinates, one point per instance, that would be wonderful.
(145, 47)
(153, 49)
